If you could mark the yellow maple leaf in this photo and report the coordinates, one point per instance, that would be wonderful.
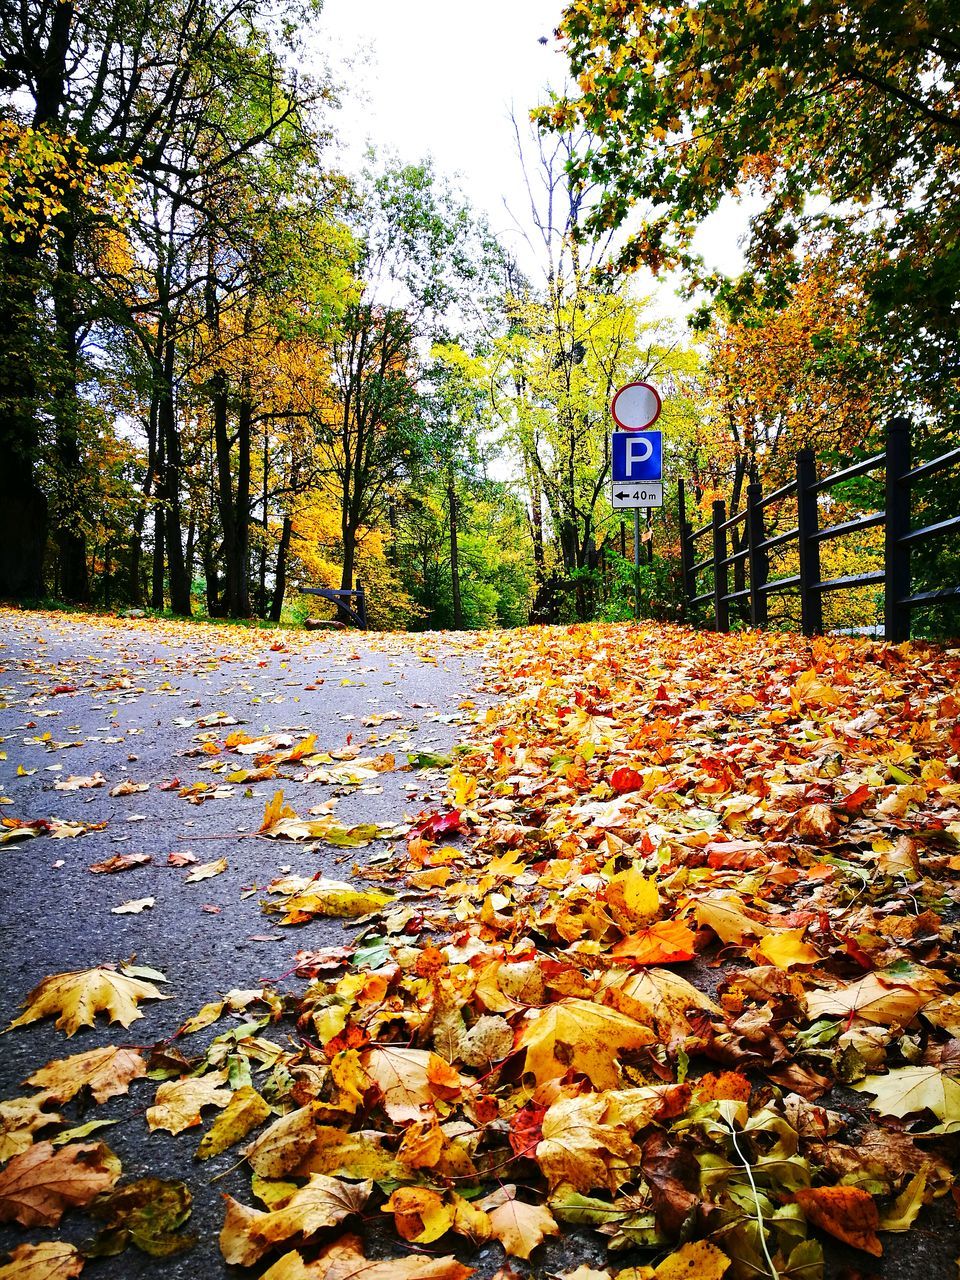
(51, 1260)
(248, 1234)
(785, 948)
(519, 1226)
(178, 1103)
(78, 996)
(697, 1260)
(579, 1035)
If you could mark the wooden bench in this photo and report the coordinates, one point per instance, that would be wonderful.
(342, 599)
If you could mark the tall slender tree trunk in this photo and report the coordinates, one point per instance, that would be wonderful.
(264, 532)
(170, 489)
(454, 555)
(280, 576)
(70, 533)
(159, 521)
(234, 508)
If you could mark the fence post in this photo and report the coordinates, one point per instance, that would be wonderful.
(896, 586)
(811, 602)
(758, 559)
(686, 549)
(721, 608)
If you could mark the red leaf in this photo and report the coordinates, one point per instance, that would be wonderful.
(439, 825)
(624, 779)
(525, 1129)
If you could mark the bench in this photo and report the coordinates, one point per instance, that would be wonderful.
(342, 599)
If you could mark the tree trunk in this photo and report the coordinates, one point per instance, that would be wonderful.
(264, 530)
(23, 505)
(234, 508)
(170, 489)
(159, 560)
(280, 585)
(70, 533)
(454, 556)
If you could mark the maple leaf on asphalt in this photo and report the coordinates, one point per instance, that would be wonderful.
(178, 1103)
(51, 1260)
(78, 996)
(105, 1072)
(37, 1186)
(345, 1260)
(907, 1090)
(20, 1119)
(584, 1037)
(519, 1226)
(248, 1234)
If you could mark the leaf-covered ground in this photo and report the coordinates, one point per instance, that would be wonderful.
(653, 974)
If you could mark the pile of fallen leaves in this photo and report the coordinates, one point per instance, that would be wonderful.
(675, 965)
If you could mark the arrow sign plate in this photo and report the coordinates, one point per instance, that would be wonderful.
(636, 455)
(627, 496)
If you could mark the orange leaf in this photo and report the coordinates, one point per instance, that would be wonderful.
(665, 942)
(849, 1213)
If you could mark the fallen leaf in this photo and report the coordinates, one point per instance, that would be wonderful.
(519, 1226)
(147, 1213)
(205, 870)
(248, 1234)
(420, 1214)
(105, 1072)
(20, 1119)
(907, 1090)
(120, 862)
(51, 1260)
(128, 788)
(344, 1260)
(37, 1186)
(696, 1260)
(244, 1112)
(178, 1103)
(848, 1213)
(80, 995)
(133, 906)
(584, 1037)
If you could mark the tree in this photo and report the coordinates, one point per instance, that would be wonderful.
(425, 264)
(569, 343)
(175, 97)
(843, 116)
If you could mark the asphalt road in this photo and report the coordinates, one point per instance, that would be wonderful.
(139, 690)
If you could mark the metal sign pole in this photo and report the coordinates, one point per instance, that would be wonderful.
(636, 562)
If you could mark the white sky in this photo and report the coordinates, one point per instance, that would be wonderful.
(440, 77)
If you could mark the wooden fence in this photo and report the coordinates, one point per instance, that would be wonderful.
(899, 538)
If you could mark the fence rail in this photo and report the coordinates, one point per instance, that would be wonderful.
(900, 599)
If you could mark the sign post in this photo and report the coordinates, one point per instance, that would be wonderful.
(636, 458)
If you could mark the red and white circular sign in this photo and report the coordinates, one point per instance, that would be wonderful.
(636, 406)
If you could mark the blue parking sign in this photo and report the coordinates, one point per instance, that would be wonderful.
(637, 455)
